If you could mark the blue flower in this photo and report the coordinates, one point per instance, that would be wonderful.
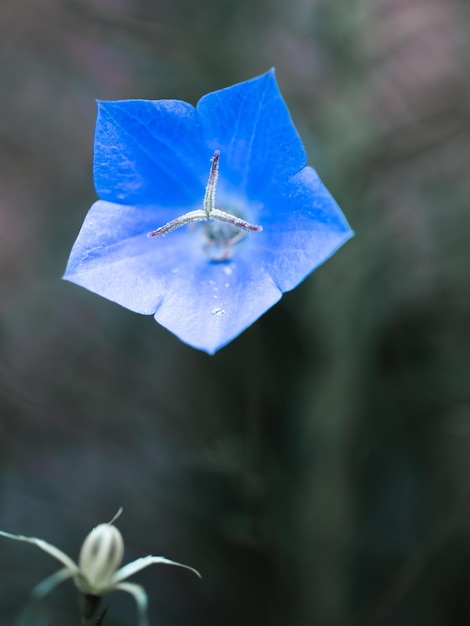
(234, 234)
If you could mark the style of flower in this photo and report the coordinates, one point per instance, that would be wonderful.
(207, 249)
(97, 573)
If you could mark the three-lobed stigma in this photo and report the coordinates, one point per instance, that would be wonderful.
(219, 239)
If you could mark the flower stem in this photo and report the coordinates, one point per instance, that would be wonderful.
(88, 606)
(100, 620)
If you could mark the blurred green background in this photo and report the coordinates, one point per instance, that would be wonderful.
(316, 470)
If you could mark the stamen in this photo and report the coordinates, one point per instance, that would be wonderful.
(209, 212)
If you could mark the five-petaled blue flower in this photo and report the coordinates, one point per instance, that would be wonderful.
(241, 218)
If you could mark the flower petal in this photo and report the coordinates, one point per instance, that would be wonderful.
(147, 152)
(49, 583)
(251, 126)
(113, 257)
(302, 227)
(145, 561)
(140, 597)
(212, 304)
(47, 547)
(204, 303)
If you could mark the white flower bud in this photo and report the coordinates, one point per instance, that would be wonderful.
(100, 556)
(97, 571)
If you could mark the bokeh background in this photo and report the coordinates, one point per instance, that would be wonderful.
(316, 470)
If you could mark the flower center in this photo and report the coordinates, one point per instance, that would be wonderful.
(221, 229)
